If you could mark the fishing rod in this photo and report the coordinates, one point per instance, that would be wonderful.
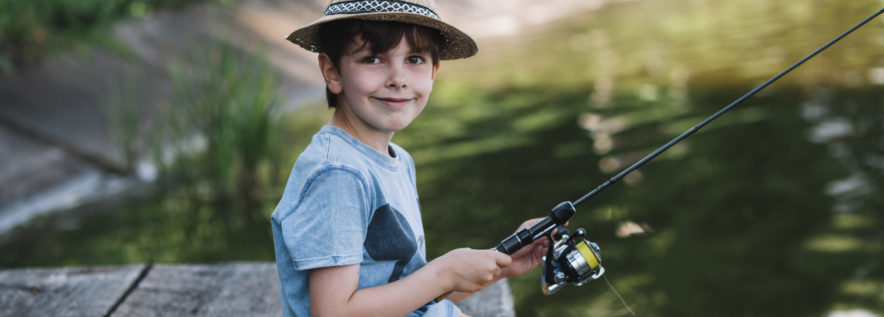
(571, 258)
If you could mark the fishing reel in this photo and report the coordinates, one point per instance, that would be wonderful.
(572, 259)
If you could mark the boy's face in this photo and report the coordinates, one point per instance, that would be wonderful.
(384, 92)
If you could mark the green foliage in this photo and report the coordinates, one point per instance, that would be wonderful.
(224, 122)
(33, 28)
(219, 134)
(125, 120)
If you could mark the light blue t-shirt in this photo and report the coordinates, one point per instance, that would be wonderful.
(344, 204)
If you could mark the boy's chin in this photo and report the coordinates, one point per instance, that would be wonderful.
(398, 125)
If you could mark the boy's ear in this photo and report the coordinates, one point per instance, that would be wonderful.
(435, 69)
(330, 74)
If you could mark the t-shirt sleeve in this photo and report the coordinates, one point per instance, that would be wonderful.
(328, 224)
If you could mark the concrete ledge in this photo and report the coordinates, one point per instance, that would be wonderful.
(78, 291)
(236, 289)
(231, 289)
(495, 300)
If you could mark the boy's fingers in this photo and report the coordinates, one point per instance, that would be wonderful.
(503, 260)
(540, 252)
(540, 242)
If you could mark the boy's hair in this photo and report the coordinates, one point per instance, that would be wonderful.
(380, 36)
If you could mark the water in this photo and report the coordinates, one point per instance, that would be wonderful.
(772, 210)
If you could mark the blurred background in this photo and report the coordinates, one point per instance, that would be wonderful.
(164, 130)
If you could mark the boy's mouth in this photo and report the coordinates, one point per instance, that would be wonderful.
(394, 102)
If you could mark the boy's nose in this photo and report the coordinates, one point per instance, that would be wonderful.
(398, 78)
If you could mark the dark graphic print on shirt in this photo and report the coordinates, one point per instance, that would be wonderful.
(390, 238)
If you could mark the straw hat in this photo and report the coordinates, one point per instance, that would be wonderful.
(421, 12)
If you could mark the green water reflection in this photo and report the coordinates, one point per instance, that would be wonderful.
(773, 210)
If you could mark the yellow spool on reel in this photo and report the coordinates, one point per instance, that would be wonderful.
(592, 259)
(574, 260)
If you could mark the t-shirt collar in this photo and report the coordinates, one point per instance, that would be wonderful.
(384, 160)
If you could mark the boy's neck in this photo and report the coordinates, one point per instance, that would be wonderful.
(377, 140)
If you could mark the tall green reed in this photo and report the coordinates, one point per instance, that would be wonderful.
(224, 122)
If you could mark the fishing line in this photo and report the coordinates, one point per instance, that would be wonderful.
(618, 296)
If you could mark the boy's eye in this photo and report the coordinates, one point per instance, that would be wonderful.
(371, 60)
(415, 59)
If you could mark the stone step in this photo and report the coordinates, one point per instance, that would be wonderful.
(229, 289)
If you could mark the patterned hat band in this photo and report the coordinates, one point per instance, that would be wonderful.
(455, 43)
(378, 6)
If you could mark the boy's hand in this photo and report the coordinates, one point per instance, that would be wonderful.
(529, 256)
(470, 270)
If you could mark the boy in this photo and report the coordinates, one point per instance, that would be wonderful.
(347, 231)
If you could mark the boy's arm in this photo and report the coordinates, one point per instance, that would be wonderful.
(334, 290)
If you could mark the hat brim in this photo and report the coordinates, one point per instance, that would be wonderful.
(456, 44)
